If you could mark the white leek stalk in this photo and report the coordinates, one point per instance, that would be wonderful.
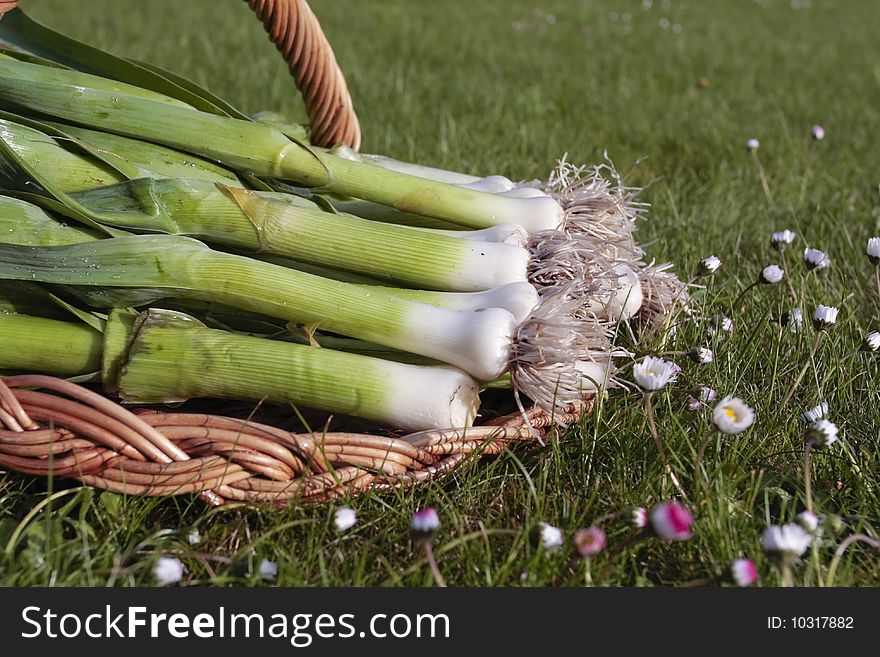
(479, 342)
(172, 357)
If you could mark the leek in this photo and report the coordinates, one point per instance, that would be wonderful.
(479, 342)
(172, 357)
(48, 345)
(255, 148)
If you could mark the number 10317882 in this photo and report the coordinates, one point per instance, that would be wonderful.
(810, 623)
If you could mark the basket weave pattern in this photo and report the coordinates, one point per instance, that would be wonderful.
(50, 424)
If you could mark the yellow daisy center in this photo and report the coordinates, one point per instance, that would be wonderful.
(729, 412)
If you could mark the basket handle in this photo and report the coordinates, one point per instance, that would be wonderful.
(294, 29)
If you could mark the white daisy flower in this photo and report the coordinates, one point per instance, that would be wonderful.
(782, 238)
(268, 570)
(818, 132)
(551, 537)
(808, 521)
(701, 355)
(824, 317)
(794, 319)
(743, 572)
(707, 394)
(636, 516)
(816, 413)
(344, 518)
(752, 144)
(785, 542)
(654, 373)
(823, 433)
(874, 250)
(816, 259)
(708, 266)
(193, 537)
(771, 275)
(724, 328)
(872, 341)
(732, 415)
(168, 570)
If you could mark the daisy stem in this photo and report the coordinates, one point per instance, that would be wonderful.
(787, 579)
(649, 411)
(763, 176)
(877, 278)
(808, 491)
(838, 554)
(739, 299)
(808, 488)
(803, 372)
(432, 563)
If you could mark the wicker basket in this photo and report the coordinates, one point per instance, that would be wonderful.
(52, 426)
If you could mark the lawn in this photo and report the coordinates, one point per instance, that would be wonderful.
(671, 91)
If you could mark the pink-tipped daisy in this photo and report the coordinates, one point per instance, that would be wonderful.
(671, 521)
(743, 572)
(589, 541)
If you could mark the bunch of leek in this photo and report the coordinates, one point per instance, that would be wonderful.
(382, 289)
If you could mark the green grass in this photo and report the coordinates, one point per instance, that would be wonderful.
(489, 87)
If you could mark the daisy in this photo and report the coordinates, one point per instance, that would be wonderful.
(816, 259)
(786, 542)
(425, 522)
(823, 433)
(344, 518)
(732, 415)
(636, 516)
(551, 537)
(701, 355)
(725, 326)
(589, 541)
(782, 238)
(654, 373)
(268, 570)
(794, 319)
(704, 395)
(707, 266)
(818, 132)
(168, 570)
(708, 394)
(816, 413)
(872, 341)
(874, 250)
(771, 275)
(824, 317)
(808, 521)
(671, 521)
(743, 572)
(752, 144)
